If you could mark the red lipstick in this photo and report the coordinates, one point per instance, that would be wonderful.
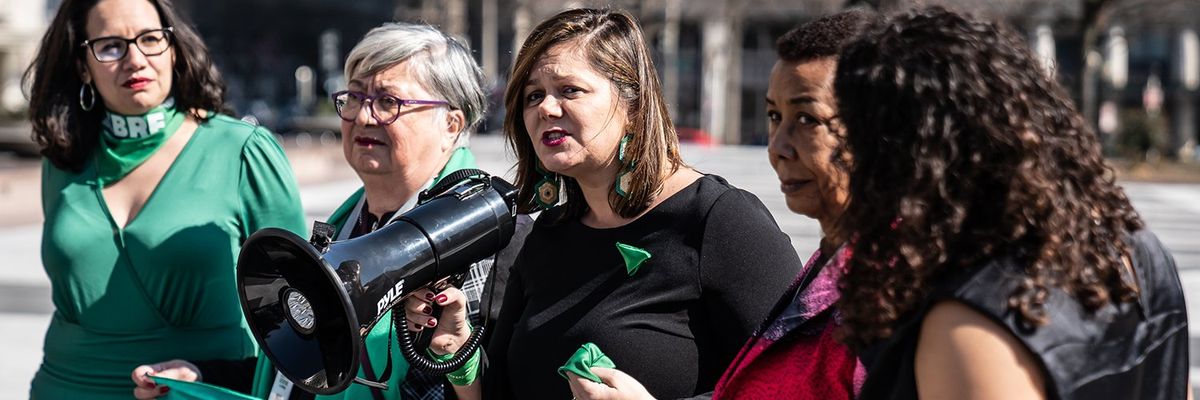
(554, 137)
(136, 83)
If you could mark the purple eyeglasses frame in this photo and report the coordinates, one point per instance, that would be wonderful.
(370, 100)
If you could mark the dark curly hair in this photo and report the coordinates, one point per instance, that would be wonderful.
(65, 132)
(963, 151)
(823, 37)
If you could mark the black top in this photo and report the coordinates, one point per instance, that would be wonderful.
(1129, 351)
(718, 263)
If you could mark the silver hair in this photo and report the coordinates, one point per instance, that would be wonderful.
(441, 64)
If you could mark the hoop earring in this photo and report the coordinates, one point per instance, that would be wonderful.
(621, 186)
(548, 188)
(91, 97)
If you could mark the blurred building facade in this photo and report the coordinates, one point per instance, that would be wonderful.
(1132, 66)
(22, 23)
(714, 56)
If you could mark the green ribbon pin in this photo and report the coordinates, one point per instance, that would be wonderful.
(634, 257)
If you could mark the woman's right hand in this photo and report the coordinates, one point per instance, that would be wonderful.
(616, 385)
(174, 369)
(450, 331)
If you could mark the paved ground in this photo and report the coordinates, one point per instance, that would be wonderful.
(1172, 210)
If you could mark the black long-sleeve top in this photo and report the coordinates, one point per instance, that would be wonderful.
(719, 261)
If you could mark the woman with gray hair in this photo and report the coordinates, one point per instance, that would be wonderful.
(413, 96)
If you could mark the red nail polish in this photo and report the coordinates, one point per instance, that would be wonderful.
(428, 295)
(432, 323)
(441, 298)
(426, 310)
(166, 389)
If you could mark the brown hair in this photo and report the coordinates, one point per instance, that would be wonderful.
(65, 132)
(615, 48)
(964, 151)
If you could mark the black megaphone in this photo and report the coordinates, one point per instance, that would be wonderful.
(309, 304)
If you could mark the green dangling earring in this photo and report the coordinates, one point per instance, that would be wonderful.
(547, 188)
(624, 177)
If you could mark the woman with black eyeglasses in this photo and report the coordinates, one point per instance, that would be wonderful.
(147, 193)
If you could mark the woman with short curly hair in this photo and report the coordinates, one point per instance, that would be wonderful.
(994, 256)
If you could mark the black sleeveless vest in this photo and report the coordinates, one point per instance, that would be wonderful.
(1136, 350)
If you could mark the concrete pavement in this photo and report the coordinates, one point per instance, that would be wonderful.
(1171, 210)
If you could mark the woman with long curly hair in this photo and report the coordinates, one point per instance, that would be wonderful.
(994, 256)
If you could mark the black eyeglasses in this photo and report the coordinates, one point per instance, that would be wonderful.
(114, 48)
(385, 108)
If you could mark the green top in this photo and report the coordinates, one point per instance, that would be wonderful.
(163, 286)
(376, 342)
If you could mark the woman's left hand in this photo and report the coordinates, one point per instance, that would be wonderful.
(145, 388)
(617, 386)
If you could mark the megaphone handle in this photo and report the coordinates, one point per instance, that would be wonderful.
(423, 338)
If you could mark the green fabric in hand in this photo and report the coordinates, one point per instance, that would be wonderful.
(181, 390)
(581, 363)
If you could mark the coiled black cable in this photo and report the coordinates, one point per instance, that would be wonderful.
(424, 363)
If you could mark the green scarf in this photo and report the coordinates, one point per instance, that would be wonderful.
(181, 390)
(581, 363)
(128, 140)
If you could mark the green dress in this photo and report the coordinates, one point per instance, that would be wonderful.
(163, 286)
(376, 342)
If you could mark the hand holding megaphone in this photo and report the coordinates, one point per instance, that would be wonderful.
(309, 302)
(451, 330)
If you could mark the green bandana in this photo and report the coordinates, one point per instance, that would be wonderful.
(127, 141)
(581, 363)
(180, 390)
